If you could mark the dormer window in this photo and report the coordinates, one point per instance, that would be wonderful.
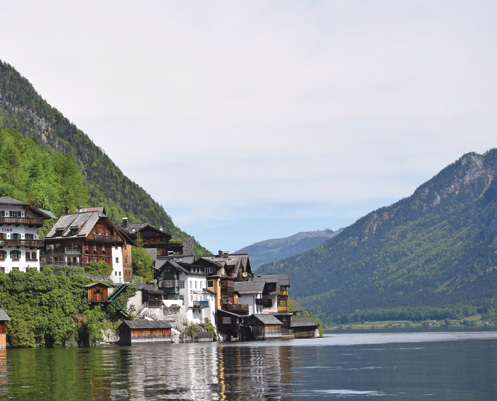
(59, 232)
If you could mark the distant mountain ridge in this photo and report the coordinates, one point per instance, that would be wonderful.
(22, 108)
(276, 249)
(436, 248)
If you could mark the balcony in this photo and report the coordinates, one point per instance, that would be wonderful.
(200, 304)
(240, 309)
(104, 238)
(26, 221)
(64, 251)
(265, 302)
(34, 243)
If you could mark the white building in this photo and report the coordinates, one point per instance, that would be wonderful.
(188, 283)
(19, 241)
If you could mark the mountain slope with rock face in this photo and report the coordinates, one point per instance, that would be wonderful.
(436, 248)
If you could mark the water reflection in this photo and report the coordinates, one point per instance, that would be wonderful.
(354, 367)
(255, 372)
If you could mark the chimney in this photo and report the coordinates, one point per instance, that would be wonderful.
(68, 211)
(161, 228)
(125, 222)
(80, 209)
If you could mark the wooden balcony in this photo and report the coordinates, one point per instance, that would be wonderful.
(240, 309)
(33, 243)
(104, 238)
(26, 221)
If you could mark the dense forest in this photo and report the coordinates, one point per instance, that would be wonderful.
(50, 309)
(436, 249)
(23, 109)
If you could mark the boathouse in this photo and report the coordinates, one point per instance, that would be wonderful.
(3, 334)
(144, 331)
(261, 327)
(304, 327)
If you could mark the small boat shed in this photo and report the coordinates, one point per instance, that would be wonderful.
(144, 331)
(261, 327)
(3, 334)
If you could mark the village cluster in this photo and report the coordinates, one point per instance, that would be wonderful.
(219, 289)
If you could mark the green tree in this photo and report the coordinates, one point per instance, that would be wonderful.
(142, 263)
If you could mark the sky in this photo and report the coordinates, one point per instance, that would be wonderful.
(251, 120)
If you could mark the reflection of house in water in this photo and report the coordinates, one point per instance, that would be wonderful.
(255, 373)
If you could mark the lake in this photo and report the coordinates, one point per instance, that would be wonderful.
(391, 366)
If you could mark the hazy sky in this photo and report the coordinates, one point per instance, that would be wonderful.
(250, 120)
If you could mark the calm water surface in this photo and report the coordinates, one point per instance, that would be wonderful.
(399, 366)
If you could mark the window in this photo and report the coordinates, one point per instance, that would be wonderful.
(33, 255)
(15, 214)
(117, 260)
(210, 283)
(15, 255)
(28, 236)
(181, 284)
(27, 255)
(2, 213)
(227, 320)
(3, 255)
(15, 236)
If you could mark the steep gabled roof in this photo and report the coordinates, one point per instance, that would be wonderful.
(83, 222)
(5, 200)
(249, 287)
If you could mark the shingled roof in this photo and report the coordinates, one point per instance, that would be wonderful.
(146, 324)
(249, 287)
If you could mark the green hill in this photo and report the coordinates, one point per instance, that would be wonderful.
(435, 251)
(23, 109)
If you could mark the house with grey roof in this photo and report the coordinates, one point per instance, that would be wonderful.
(20, 244)
(79, 238)
(250, 293)
(3, 333)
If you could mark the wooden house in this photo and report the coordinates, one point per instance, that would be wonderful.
(79, 238)
(3, 333)
(261, 327)
(98, 292)
(144, 331)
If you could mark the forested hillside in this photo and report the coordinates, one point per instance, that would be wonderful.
(434, 251)
(23, 109)
(276, 249)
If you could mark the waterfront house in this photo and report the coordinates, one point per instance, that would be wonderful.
(20, 244)
(275, 295)
(79, 238)
(144, 331)
(3, 333)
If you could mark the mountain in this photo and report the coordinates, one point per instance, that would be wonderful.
(276, 249)
(435, 249)
(23, 109)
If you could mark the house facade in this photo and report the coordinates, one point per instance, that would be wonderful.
(188, 283)
(89, 236)
(20, 244)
